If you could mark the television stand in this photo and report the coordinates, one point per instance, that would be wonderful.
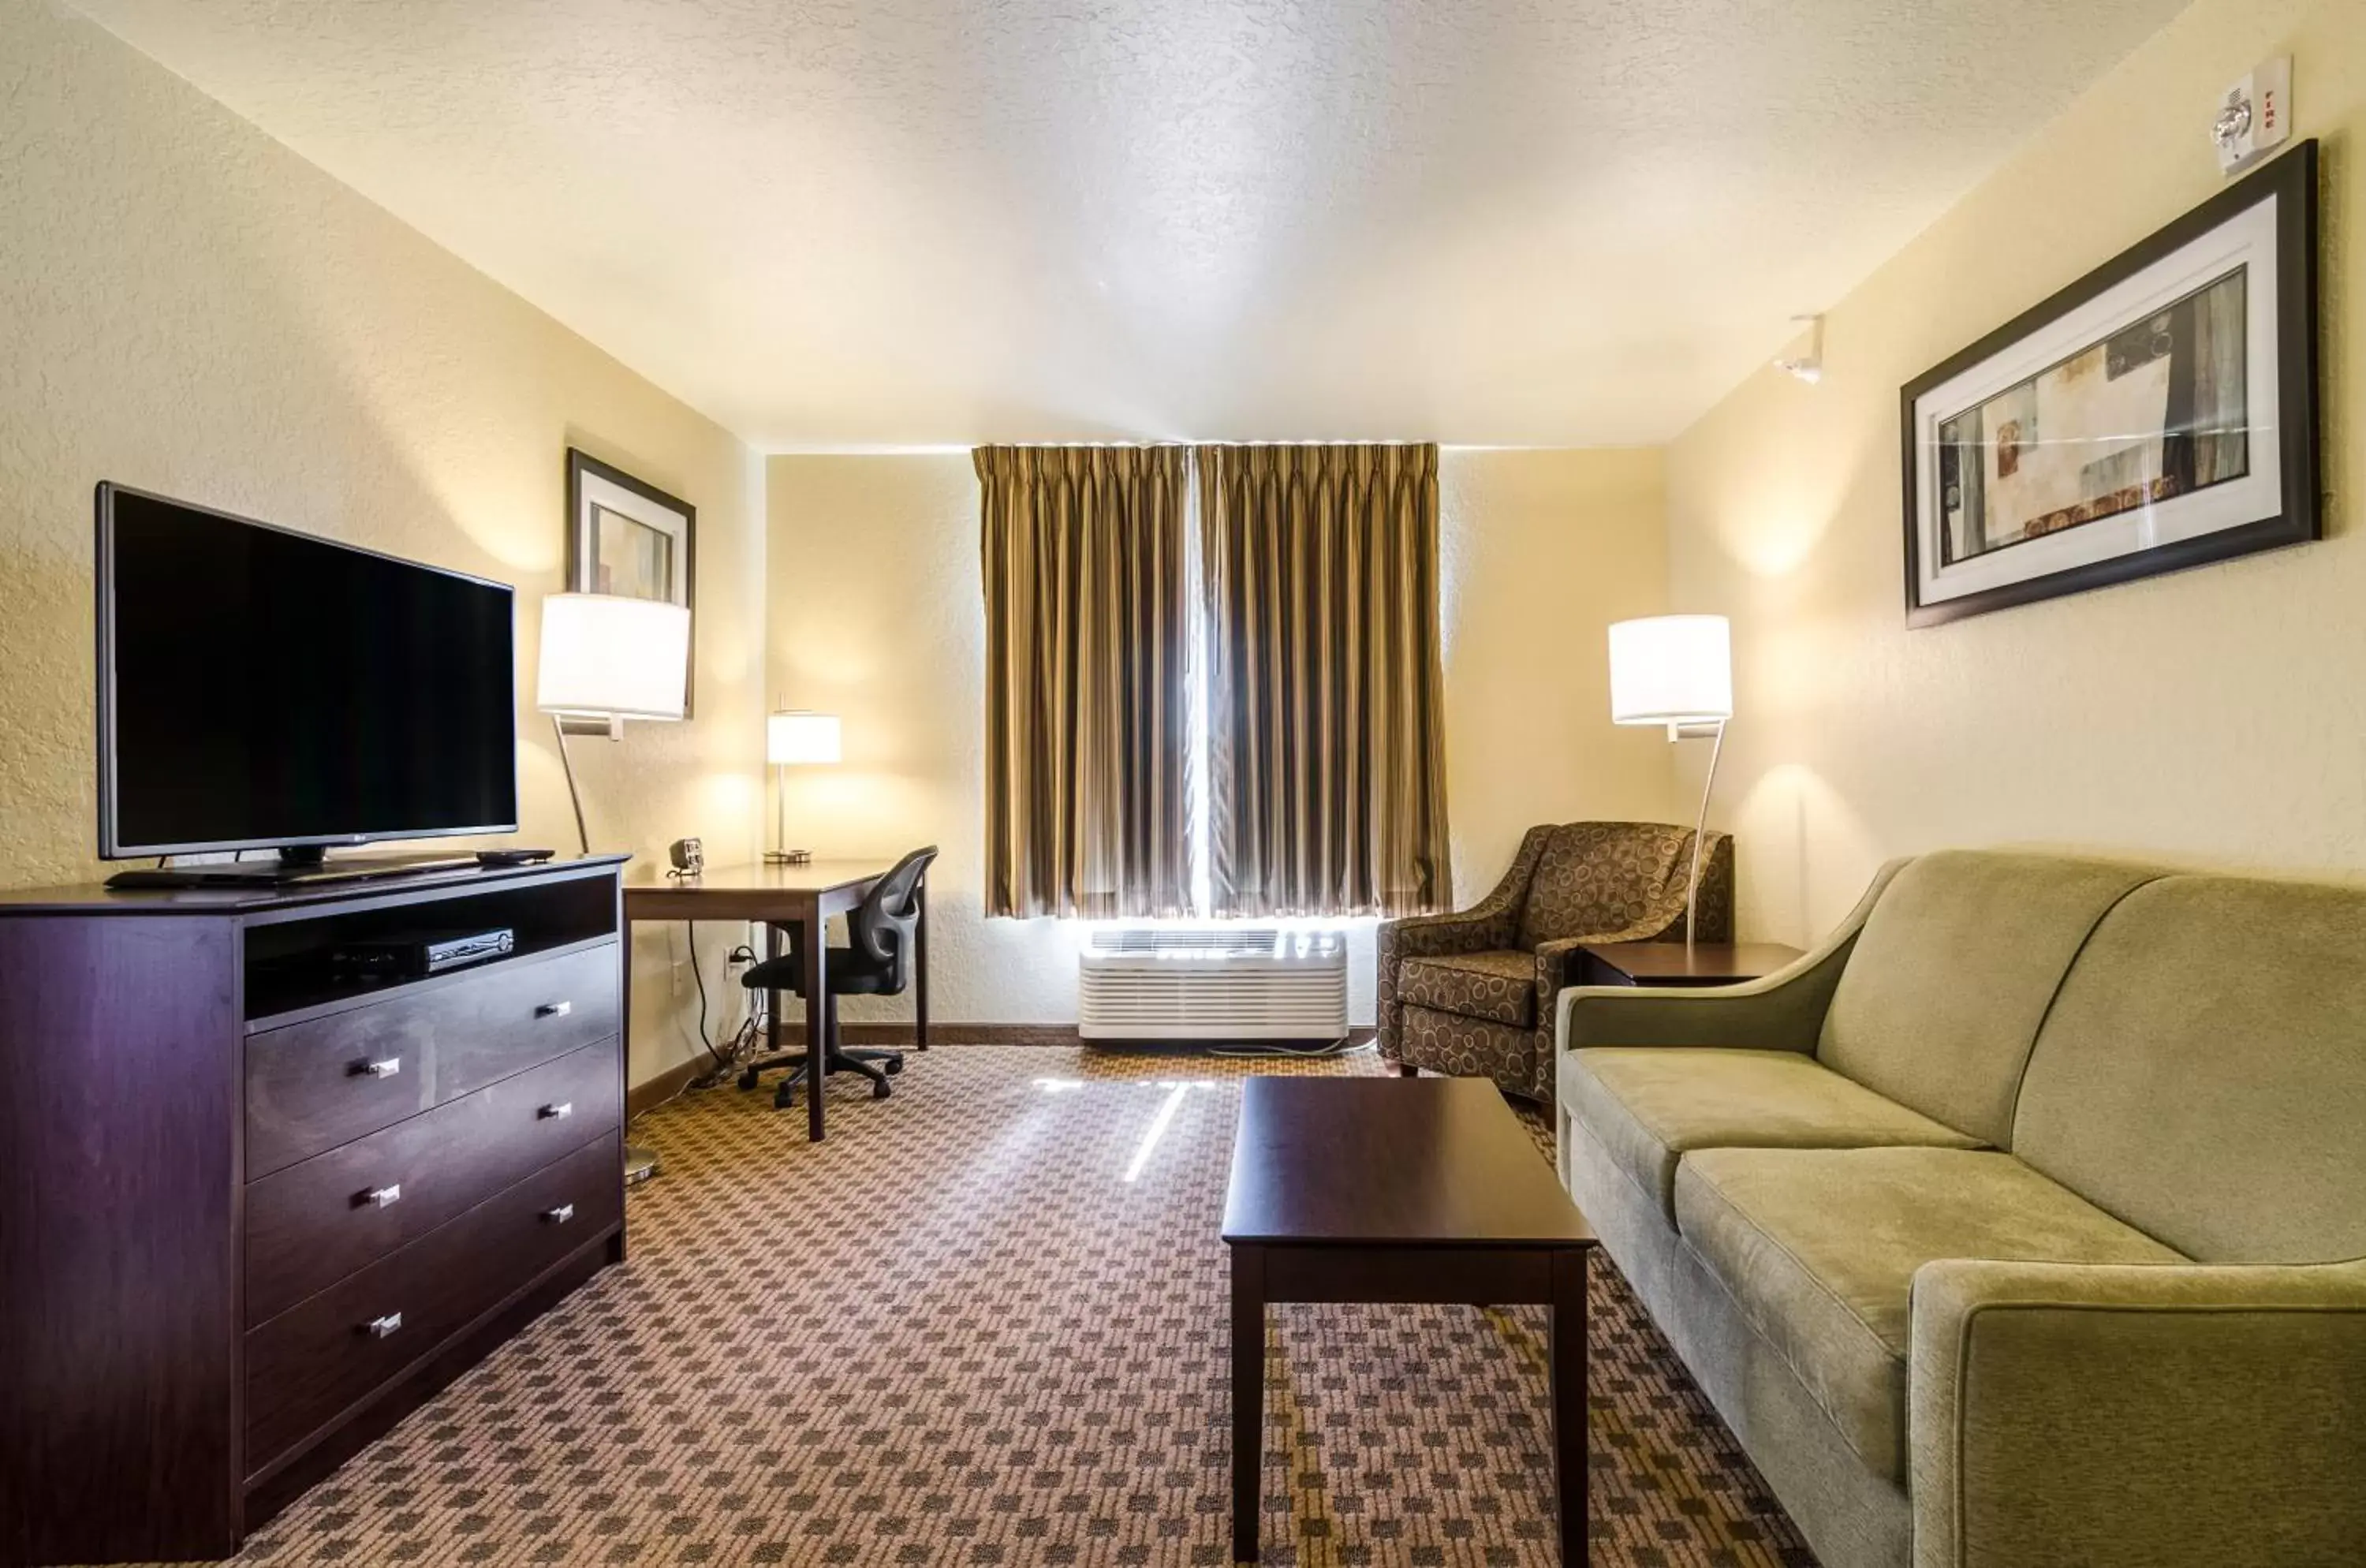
(211, 1292)
(298, 872)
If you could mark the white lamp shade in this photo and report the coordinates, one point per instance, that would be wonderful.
(608, 654)
(1670, 669)
(800, 737)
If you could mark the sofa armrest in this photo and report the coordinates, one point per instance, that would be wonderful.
(2137, 1412)
(1782, 1011)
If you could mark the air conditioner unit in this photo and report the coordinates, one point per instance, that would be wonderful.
(1250, 983)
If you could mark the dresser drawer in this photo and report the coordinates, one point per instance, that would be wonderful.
(528, 1013)
(316, 1084)
(307, 1366)
(316, 1222)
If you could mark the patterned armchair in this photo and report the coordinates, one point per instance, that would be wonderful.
(1473, 994)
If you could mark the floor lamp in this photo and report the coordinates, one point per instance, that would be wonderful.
(1677, 670)
(606, 659)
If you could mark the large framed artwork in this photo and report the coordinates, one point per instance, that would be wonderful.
(2157, 414)
(627, 536)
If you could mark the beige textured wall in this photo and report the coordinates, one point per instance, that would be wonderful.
(876, 615)
(1543, 550)
(188, 307)
(2216, 716)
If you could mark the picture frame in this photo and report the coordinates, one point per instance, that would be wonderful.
(2158, 413)
(627, 536)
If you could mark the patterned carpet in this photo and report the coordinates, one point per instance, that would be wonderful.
(984, 1323)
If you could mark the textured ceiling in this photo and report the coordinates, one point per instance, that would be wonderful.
(841, 223)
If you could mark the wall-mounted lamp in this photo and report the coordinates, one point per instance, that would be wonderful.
(794, 737)
(1677, 670)
(606, 659)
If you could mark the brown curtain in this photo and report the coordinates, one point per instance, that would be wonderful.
(1085, 649)
(1326, 753)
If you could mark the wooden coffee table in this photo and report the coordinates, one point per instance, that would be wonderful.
(1398, 1190)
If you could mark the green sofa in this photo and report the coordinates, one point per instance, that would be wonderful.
(2020, 1224)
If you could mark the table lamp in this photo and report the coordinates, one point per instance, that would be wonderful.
(792, 737)
(1677, 670)
(606, 659)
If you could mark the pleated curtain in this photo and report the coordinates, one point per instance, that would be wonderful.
(1084, 550)
(1326, 756)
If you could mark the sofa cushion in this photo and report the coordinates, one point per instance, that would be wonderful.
(2203, 1075)
(1819, 1249)
(1500, 986)
(1595, 878)
(1953, 973)
(1648, 1105)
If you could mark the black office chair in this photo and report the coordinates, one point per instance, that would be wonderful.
(876, 962)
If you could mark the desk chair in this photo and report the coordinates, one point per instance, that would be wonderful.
(876, 962)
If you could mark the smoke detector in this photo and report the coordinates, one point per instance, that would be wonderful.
(1808, 366)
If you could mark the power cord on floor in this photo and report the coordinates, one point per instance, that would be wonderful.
(1340, 1047)
(743, 1045)
(726, 1061)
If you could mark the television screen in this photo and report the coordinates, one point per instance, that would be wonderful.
(259, 688)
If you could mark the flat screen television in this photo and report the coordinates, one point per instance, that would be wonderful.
(259, 688)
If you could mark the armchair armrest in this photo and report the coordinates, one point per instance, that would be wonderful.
(1488, 924)
(1428, 936)
(1782, 1011)
(1558, 956)
(2137, 1412)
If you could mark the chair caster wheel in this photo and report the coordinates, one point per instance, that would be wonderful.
(880, 1091)
(893, 1066)
(784, 1101)
(747, 1080)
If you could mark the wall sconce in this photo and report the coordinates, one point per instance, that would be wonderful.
(1808, 366)
(606, 659)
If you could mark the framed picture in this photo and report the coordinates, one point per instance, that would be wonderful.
(2157, 414)
(628, 537)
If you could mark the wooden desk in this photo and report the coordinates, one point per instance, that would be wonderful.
(805, 895)
(1672, 963)
(1398, 1190)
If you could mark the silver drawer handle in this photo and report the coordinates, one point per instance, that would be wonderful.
(559, 1215)
(381, 1197)
(564, 1108)
(380, 1327)
(385, 1069)
(554, 1010)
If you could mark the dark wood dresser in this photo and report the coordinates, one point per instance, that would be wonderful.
(252, 1212)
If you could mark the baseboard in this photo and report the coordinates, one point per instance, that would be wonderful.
(793, 1035)
(667, 1084)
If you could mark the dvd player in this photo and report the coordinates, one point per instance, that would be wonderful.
(410, 955)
